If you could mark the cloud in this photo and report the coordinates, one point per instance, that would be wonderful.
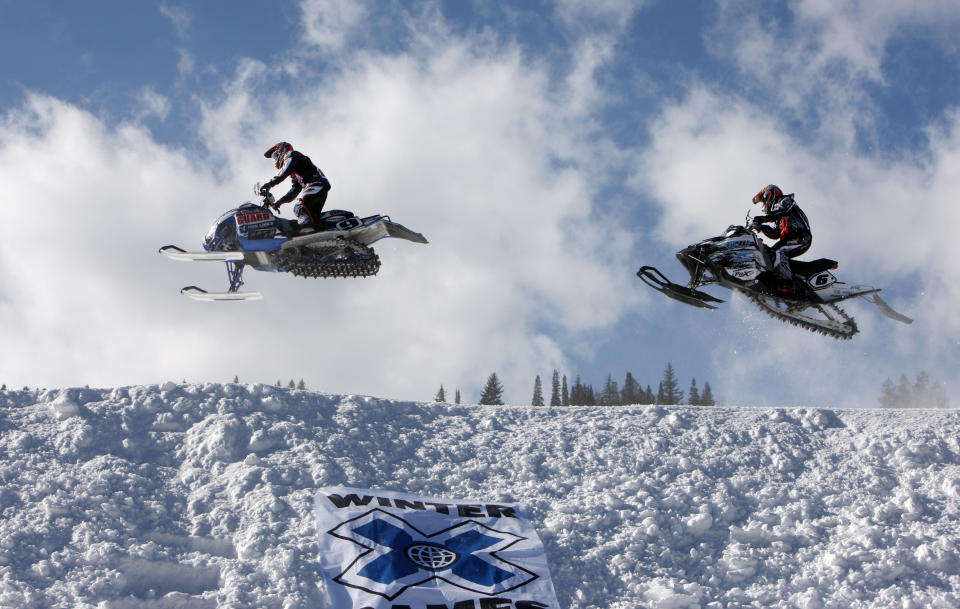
(468, 144)
(152, 104)
(887, 223)
(328, 24)
(814, 61)
(178, 16)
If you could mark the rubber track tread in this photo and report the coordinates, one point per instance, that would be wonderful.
(844, 330)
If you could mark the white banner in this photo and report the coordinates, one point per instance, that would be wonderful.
(389, 550)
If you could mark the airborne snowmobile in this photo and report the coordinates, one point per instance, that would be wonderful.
(739, 260)
(251, 235)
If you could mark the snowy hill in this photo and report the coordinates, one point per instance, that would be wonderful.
(188, 497)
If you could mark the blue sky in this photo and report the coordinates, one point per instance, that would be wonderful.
(547, 150)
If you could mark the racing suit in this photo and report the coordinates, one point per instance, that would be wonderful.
(792, 231)
(309, 182)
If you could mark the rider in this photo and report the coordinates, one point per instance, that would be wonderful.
(792, 231)
(307, 179)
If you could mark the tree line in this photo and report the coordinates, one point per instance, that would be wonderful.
(612, 393)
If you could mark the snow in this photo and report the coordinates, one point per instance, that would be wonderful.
(200, 496)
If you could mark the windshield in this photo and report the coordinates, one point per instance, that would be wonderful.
(222, 235)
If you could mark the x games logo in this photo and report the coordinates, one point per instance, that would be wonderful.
(398, 556)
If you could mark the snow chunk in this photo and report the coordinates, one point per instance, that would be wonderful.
(63, 407)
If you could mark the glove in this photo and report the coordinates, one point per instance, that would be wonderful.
(756, 222)
(264, 190)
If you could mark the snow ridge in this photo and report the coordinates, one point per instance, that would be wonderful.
(200, 496)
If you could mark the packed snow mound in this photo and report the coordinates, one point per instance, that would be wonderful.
(197, 496)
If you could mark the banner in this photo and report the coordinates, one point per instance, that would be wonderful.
(389, 550)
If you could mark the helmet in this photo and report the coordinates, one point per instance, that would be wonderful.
(770, 194)
(277, 152)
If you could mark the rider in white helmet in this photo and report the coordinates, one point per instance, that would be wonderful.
(791, 229)
(308, 181)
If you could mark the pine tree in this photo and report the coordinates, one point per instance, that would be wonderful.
(236, 379)
(631, 393)
(888, 395)
(456, 396)
(278, 383)
(564, 394)
(693, 396)
(538, 393)
(4, 388)
(291, 384)
(301, 385)
(671, 392)
(577, 393)
(440, 396)
(706, 398)
(611, 394)
(660, 398)
(493, 391)
(923, 393)
(555, 389)
(649, 397)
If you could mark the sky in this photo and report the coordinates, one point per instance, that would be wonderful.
(546, 149)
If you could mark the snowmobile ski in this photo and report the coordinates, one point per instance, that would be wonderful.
(658, 281)
(175, 253)
(200, 294)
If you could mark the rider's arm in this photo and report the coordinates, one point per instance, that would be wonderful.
(283, 175)
(291, 194)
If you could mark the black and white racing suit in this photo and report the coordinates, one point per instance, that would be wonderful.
(792, 231)
(309, 182)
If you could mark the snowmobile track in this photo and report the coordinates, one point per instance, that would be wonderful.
(843, 328)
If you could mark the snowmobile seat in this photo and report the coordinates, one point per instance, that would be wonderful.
(808, 268)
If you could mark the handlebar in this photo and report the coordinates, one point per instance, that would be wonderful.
(266, 200)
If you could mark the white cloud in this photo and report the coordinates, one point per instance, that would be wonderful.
(815, 64)
(178, 16)
(475, 150)
(152, 104)
(889, 225)
(329, 23)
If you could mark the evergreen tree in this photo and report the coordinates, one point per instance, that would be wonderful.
(923, 393)
(564, 394)
(577, 393)
(538, 392)
(456, 397)
(660, 398)
(301, 385)
(706, 398)
(493, 391)
(555, 389)
(236, 379)
(291, 384)
(670, 386)
(649, 397)
(441, 396)
(693, 396)
(611, 394)
(4, 388)
(631, 393)
(278, 383)
(888, 394)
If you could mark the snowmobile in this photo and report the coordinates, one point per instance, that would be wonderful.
(252, 235)
(739, 260)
